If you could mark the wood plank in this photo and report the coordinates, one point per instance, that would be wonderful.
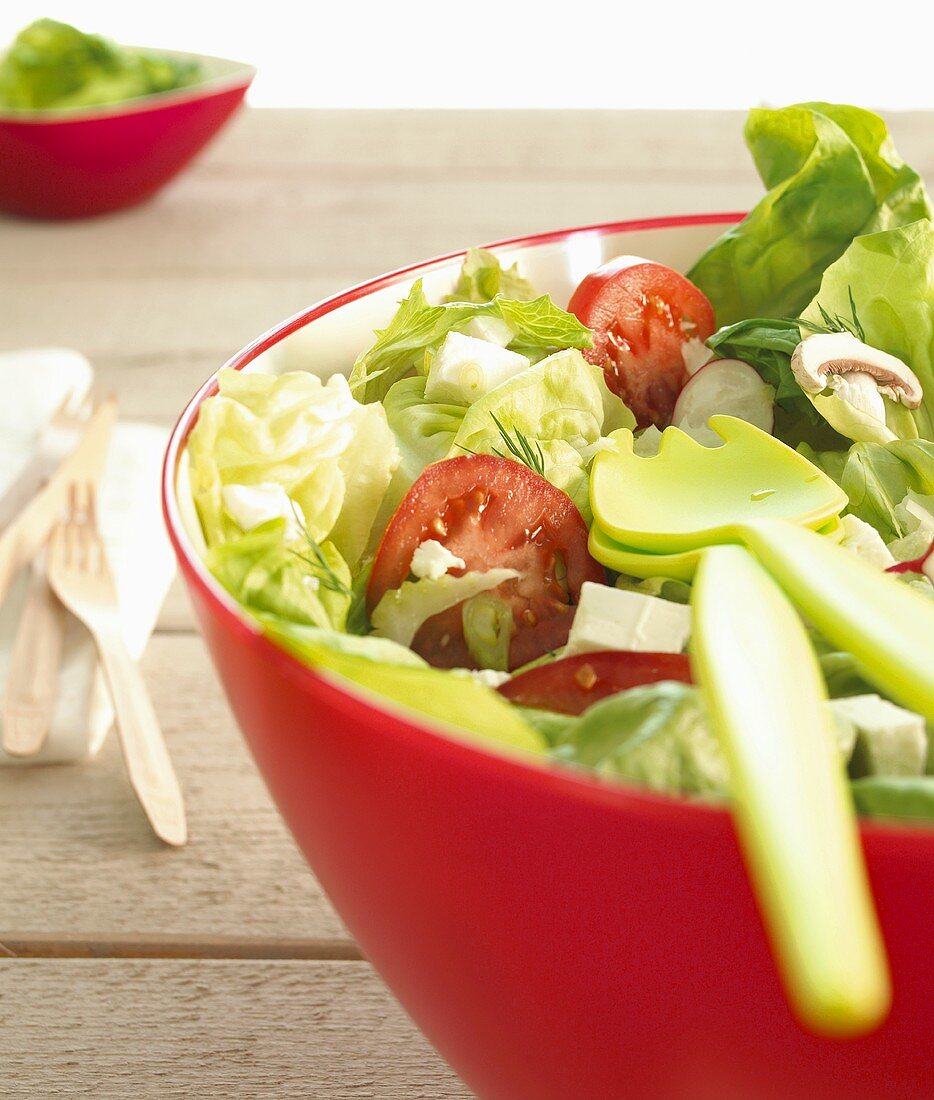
(78, 858)
(158, 1030)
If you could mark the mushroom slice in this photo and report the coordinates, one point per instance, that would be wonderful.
(834, 359)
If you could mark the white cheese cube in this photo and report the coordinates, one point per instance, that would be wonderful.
(889, 739)
(611, 618)
(431, 559)
(251, 505)
(466, 368)
(492, 329)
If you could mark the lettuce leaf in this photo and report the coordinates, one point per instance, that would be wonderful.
(658, 736)
(877, 478)
(457, 703)
(333, 456)
(910, 798)
(482, 278)
(424, 430)
(418, 326)
(832, 174)
(54, 65)
(267, 575)
(560, 405)
(402, 611)
(890, 276)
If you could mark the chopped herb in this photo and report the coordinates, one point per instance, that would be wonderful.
(318, 563)
(833, 322)
(520, 449)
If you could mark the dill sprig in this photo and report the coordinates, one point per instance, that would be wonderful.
(318, 563)
(833, 322)
(521, 449)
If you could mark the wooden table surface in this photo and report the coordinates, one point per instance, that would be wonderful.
(221, 970)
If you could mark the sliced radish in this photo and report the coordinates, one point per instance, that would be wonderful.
(727, 386)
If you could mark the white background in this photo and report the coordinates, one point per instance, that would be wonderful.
(471, 53)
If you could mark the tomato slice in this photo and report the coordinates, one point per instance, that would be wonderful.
(493, 513)
(641, 314)
(572, 684)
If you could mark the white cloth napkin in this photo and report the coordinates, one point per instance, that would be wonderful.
(32, 385)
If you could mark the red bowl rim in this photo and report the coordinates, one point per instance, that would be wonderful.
(699, 815)
(241, 76)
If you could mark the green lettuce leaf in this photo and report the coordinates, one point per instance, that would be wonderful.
(910, 798)
(482, 278)
(832, 174)
(560, 406)
(333, 456)
(418, 327)
(266, 574)
(877, 477)
(890, 276)
(54, 65)
(424, 430)
(402, 611)
(657, 736)
(458, 703)
(488, 629)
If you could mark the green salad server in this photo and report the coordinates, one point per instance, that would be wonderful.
(756, 491)
(679, 567)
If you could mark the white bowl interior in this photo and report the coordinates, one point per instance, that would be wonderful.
(330, 344)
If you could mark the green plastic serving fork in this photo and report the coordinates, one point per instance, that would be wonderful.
(706, 508)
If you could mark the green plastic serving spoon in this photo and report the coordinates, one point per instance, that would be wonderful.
(689, 496)
(680, 567)
(701, 496)
(763, 687)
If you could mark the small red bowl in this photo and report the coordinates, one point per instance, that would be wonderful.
(555, 937)
(90, 160)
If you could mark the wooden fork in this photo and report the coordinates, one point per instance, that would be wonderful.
(80, 577)
(32, 678)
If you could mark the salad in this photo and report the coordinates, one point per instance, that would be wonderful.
(52, 65)
(424, 527)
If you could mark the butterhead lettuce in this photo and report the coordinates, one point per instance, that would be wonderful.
(832, 174)
(268, 574)
(890, 278)
(333, 456)
(562, 406)
(456, 702)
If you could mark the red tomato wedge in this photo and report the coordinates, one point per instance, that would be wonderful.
(492, 513)
(641, 314)
(572, 684)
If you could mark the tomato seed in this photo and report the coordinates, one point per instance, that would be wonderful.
(586, 677)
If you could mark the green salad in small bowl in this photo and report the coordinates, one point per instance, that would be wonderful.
(54, 66)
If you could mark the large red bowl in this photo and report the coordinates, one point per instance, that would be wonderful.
(555, 938)
(83, 161)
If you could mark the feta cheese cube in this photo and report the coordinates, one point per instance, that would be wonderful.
(251, 505)
(889, 739)
(611, 618)
(431, 559)
(465, 368)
